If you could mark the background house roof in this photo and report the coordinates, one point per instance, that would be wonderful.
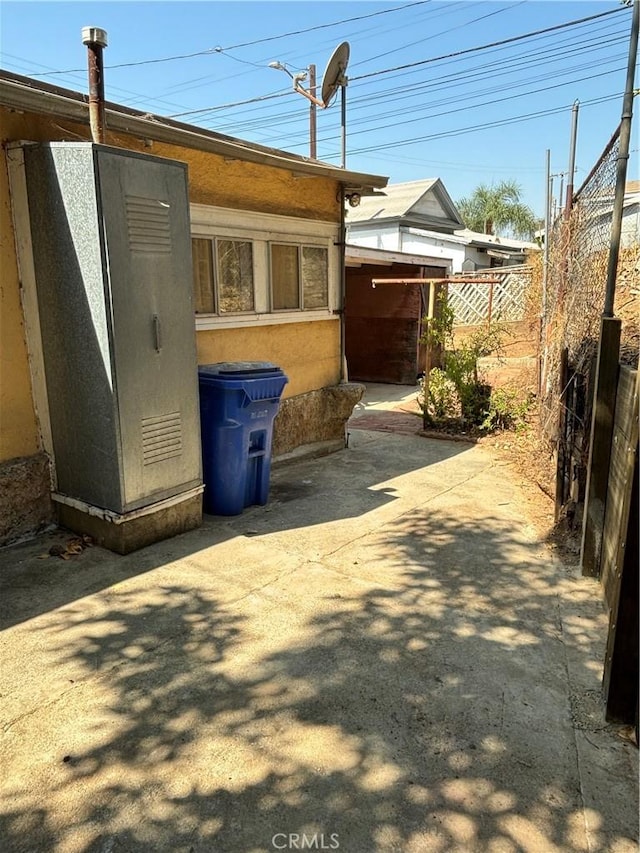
(424, 204)
(25, 93)
(476, 238)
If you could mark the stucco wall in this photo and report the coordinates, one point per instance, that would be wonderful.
(212, 179)
(309, 353)
(18, 430)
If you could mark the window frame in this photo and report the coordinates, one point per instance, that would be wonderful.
(262, 229)
(214, 257)
(301, 291)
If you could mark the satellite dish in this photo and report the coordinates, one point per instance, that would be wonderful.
(334, 73)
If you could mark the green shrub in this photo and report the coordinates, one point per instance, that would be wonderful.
(443, 402)
(507, 410)
(458, 390)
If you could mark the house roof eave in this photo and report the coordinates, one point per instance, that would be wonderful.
(26, 94)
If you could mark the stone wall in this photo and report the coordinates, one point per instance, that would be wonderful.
(316, 419)
(25, 505)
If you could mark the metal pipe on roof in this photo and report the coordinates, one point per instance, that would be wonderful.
(95, 40)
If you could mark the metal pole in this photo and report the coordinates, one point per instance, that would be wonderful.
(545, 278)
(95, 39)
(344, 368)
(343, 122)
(313, 151)
(623, 158)
(572, 159)
(431, 310)
(547, 229)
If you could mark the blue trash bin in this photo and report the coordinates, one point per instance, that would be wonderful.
(238, 404)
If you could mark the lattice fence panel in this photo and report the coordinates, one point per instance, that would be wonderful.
(469, 303)
(509, 298)
(503, 299)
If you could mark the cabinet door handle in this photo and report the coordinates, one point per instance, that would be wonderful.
(156, 331)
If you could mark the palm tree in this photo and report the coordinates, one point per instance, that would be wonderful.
(497, 209)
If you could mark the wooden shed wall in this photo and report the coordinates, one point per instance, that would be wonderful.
(383, 323)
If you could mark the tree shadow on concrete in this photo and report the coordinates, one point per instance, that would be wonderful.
(415, 702)
(302, 492)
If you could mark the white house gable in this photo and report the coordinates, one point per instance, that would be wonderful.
(429, 205)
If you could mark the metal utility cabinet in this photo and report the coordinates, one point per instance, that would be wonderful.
(112, 262)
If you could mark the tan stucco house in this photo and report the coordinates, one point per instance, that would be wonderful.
(282, 216)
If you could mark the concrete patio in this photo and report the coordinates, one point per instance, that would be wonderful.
(386, 657)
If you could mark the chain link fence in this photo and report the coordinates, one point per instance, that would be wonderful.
(572, 306)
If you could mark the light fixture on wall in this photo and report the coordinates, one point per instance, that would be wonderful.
(353, 199)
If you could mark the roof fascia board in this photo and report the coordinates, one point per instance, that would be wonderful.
(70, 105)
(438, 235)
(421, 221)
(389, 220)
(368, 254)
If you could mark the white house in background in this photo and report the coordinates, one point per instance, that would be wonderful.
(601, 213)
(420, 218)
(631, 215)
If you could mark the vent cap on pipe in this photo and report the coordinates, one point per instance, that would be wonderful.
(94, 35)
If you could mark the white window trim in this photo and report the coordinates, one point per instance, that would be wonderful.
(261, 229)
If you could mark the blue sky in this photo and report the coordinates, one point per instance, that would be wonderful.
(483, 116)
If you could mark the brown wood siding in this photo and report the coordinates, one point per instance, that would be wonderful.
(383, 323)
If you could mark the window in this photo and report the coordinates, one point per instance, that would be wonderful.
(262, 269)
(299, 277)
(223, 276)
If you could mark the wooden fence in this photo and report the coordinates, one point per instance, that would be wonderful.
(620, 558)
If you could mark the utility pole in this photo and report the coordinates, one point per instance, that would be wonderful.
(313, 151)
(572, 159)
(542, 369)
(547, 229)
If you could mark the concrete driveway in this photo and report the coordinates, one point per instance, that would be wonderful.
(385, 658)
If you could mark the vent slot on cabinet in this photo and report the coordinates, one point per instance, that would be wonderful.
(161, 437)
(148, 225)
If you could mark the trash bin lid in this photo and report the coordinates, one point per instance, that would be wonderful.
(238, 368)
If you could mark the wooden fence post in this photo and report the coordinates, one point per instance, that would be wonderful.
(604, 403)
(561, 455)
(428, 349)
(620, 679)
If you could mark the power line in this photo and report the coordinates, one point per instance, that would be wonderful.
(22, 68)
(486, 46)
(452, 80)
(258, 99)
(488, 103)
(471, 96)
(212, 50)
(485, 126)
(443, 32)
(255, 100)
(325, 26)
